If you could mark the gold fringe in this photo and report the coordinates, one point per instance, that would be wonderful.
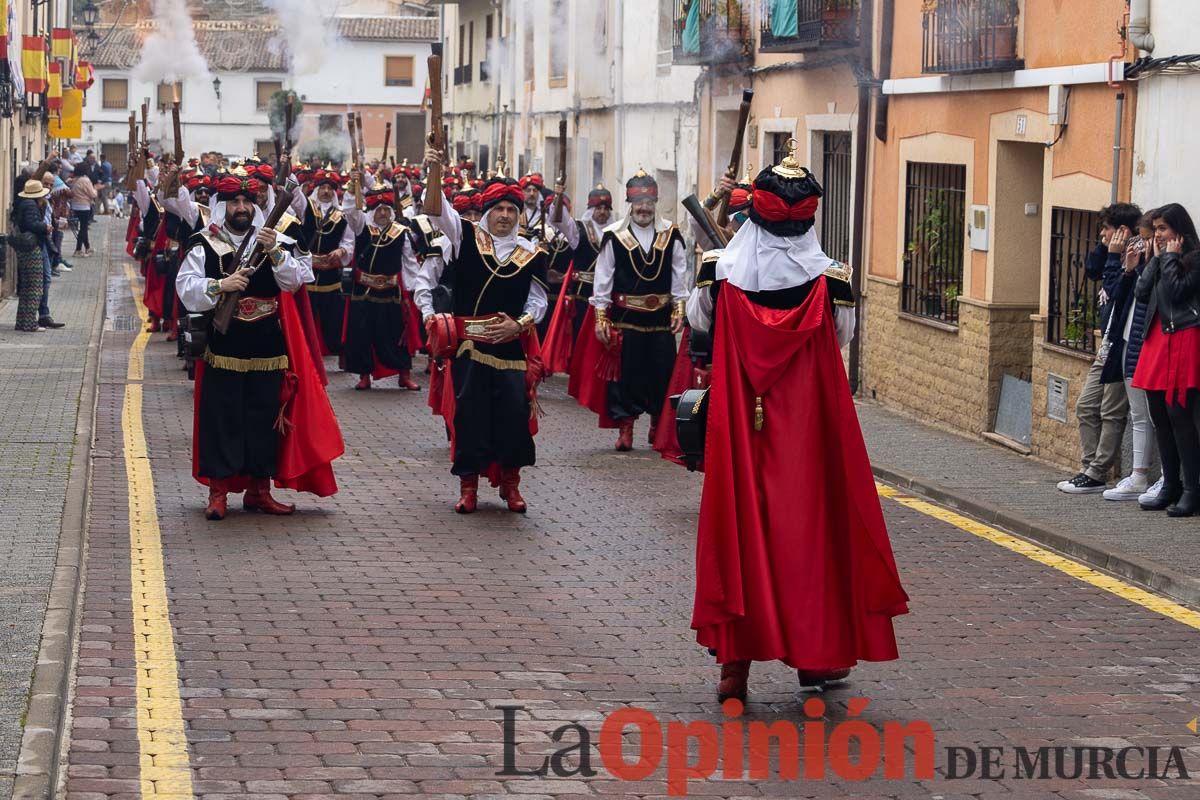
(245, 364)
(328, 287)
(846, 303)
(629, 326)
(467, 349)
(759, 414)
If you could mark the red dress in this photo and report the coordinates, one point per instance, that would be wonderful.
(1169, 362)
(793, 560)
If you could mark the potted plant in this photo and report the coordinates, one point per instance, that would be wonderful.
(952, 293)
(998, 34)
(1075, 329)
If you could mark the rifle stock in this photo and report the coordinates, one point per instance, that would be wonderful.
(177, 129)
(387, 140)
(132, 153)
(562, 167)
(360, 203)
(706, 223)
(431, 203)
(735, 161)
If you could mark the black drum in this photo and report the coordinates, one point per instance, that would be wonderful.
(141, 248)
(691, 421)
(195, 335)
(347, 281)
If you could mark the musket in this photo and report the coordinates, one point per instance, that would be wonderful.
(362, 148)
(735, 160)
(431, 203)
(360, 204)
(562, 167)
(131, 161)
(228, 303)
(706, 223)
(502, 149)
(178, 131)
(387, 140)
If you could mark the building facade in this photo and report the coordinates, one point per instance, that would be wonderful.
(598, 62)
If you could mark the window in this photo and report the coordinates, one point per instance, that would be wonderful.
(263, 91)
(169, 93)
(777, 144)
(836, 210)
(488, 49)
(265, 149)
(398, 71)
(935, 238)
(330, 123)
(483, 161)
(558, 44)
(1073, 313)
(116, 94)
(462, 44)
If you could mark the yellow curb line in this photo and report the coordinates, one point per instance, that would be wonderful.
(1108, 583)
(164, 766)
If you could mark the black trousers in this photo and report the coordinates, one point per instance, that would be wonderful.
(330, 310)
(1177, 431)
(376, 331)
(237, 423)
(491, 418)
(168, 293)
(647, 360)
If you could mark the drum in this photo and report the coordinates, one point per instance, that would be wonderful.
(691, 420)
(443, 336)
(347, 281)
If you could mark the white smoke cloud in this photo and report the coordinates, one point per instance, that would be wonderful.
(170, 52)
(306, 32)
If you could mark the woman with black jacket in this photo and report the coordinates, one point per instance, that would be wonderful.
(1169, 365)
(29, 220)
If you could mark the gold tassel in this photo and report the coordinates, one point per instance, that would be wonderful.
(758, 414)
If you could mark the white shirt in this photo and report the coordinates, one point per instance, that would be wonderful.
(357, 220)
(450, 223)
(300, 205)
(191, 284)
(645, 235)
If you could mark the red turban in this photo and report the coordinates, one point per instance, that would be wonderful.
(533, 179)
(502, 191)
(233, 186)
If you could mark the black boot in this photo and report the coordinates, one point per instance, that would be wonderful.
(1187, 505)
(1167, 496)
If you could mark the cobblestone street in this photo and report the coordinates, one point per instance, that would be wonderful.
(362, 648)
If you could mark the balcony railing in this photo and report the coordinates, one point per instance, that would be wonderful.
(963, 36)
(788, 26)
(711, 32)
(463, 74)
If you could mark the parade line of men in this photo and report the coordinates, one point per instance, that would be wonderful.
(502, 287)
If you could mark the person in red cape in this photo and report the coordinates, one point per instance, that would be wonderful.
(496, 282)
(640, 287)
(328, 236)
(150, 219)
(261, 412)
(793, 561)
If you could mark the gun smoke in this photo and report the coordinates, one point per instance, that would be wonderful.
(306, 32)
(170, 53)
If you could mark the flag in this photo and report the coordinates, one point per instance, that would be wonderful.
(54, 97)
(61, 43)
(85, 76)
(70, 123)
(33, 61)
(3, 30)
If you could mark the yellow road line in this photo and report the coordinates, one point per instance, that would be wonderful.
(165, 768)
(1108, 583)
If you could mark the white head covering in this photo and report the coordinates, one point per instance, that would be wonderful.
(218, 213)
(511, 239)
(758, 261)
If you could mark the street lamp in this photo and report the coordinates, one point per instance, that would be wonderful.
(217, 87)
(90, 14)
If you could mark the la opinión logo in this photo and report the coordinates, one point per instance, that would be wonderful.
(813, 750)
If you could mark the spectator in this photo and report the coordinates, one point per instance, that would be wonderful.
(83, 194)
(60, 213)
(1168, 368)
(105, 183)
(73, 156)
(1102, 408)
(119, 205)
(29, 226)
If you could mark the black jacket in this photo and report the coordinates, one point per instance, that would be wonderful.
(1171, 291)
(30, 218)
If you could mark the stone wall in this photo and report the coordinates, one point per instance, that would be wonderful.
(1055, 441)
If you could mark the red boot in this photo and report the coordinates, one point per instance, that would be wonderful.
(363, 383)
(510, 492)
(468, 494)
(173, 331)
(625, 437)
(734, 677)
(218, 498)
(406, 381)
(258, 498)
(155, 325)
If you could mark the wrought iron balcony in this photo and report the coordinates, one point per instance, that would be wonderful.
(710, 32)
(963, 36)
(789, 26)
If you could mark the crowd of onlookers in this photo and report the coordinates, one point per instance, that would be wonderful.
(1146, 373)
(62, 193)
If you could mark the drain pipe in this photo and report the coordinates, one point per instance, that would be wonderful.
(863, 76)
(1116, 165)
(1139, 25)
(887, 18)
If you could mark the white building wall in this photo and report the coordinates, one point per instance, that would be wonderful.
(354, 75)
(1165, 169)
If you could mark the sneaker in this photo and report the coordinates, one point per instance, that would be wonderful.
(64, 267)
(1130, 488)
(1084, 485)
(55, 273)
(1151, 494)
(1069, 481)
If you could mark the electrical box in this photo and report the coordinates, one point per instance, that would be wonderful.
(1058, 105)
(981, 225)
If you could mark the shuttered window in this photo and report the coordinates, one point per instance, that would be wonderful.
(398, 70)
(116, 93)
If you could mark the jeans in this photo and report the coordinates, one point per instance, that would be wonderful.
(1101, 410)
(44, 308)
(56, 248)
(85, 219)
(1143, 430)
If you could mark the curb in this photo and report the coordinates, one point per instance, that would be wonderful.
(44, 737)
(1156, 577)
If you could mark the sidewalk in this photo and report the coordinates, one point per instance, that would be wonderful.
(43, 457)
(1018, 494)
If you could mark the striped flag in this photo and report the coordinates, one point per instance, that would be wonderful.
(33, 64)
(85, 75)
(54, 97)
(61, 43)
(3, 30)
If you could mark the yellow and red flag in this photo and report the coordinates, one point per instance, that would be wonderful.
(54, 97)
(69, 124)
(61, 43)
(4, 30)
(85, 75)
(33, 64)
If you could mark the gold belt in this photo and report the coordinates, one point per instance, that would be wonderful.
(476, 328)
(378, 281)
(323, 287)
(642, 302)
(252, 309)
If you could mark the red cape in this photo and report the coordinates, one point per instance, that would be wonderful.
(312, 442)
(666, 437)
(131, 231)
(559, 335)
(585, 385)
(793, 560)
(316, 342)
(412, 324)
(152, 297)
